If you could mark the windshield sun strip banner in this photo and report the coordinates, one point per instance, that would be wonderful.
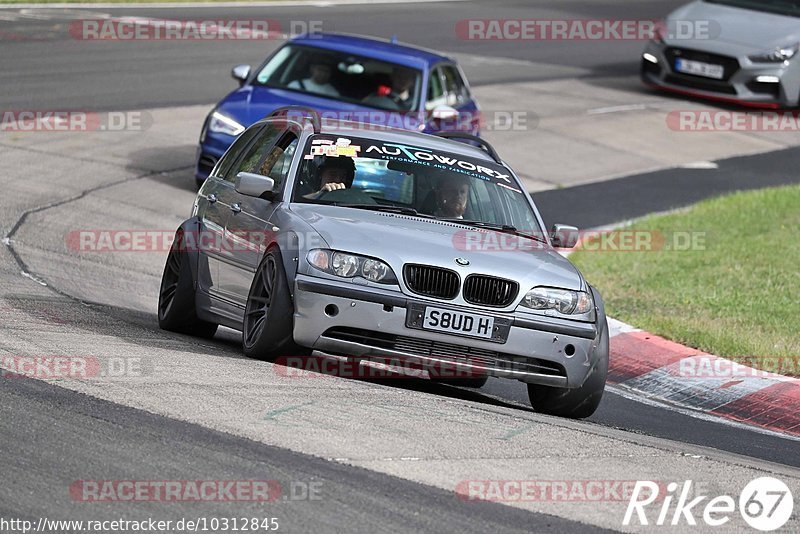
(369, 148)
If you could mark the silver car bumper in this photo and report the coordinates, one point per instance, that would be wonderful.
(371, 322)
(742, 83)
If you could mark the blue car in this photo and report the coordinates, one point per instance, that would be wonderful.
(344, 77)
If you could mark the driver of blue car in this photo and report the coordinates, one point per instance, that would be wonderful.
(399, 95)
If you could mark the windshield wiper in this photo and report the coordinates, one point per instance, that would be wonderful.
(505, 228)
(402, 210)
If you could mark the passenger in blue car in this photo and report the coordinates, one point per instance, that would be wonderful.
(320, 69)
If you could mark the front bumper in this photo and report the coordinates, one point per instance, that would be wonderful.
(371, 322)
(740, 85)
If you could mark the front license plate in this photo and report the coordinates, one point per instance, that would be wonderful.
(698, 68)
(455, 322)
(494, 329)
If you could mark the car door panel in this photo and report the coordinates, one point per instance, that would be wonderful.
(212, 217)
(213, 210)
(246, 235)
(219, 244)
(248, 229)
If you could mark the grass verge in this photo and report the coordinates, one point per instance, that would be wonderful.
(735, 293)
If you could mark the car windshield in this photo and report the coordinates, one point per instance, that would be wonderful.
(343, 77)
(781, 7)
(372, 174)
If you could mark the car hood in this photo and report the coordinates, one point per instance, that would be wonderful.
(252, 103)
(399, 239)
(751, 31)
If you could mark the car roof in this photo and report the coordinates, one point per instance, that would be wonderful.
(386, 50)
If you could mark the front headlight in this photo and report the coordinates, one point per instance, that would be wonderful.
(562, 300)
(220, 123)
(351, 265)
(778, 55)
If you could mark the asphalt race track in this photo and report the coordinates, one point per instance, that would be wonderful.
(386, 455)
(124, 76)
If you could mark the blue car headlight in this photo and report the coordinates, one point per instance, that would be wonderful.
(219, 123)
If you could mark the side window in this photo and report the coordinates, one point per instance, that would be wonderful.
(435, 90)
(224, 166)
(457, 93)
(256, 154)
(278, 161)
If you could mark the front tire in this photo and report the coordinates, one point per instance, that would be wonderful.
(176, 298)
(577, 403)
(269, 313)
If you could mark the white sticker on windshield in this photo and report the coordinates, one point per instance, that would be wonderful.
(342, 148)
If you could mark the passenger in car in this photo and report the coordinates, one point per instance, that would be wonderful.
(451, 193)
(320, 69)
(334, 173)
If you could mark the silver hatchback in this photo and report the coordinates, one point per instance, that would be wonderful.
(743, 51)
(343, 240)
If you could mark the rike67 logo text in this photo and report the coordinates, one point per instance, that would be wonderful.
(765, 504)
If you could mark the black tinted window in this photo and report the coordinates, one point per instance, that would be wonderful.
(255, 154)
(232, 155)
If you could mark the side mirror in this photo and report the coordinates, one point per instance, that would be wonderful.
(240, 73)
(564, 236)
(254, 185)
(444, 113)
